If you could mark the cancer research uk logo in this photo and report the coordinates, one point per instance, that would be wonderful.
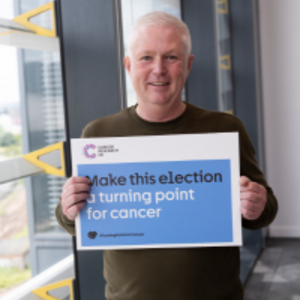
(89, 150)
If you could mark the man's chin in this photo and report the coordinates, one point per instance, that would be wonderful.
(159, 100)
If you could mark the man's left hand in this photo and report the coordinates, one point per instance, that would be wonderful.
(253, 198)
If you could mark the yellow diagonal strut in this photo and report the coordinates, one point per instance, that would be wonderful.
(24, 20)
(225, 62)
(222, 7)
(33, 157)
(43, 291)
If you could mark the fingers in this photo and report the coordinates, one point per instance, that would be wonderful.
(253, 198)
(251, 210)
(252, 187)
(74, 199)
(75, 180)
(251, 206)
(249, 214)
(72, 211)
(75, 192)
(72, 204)
(247, 185)
(244, 181)
(76, 189)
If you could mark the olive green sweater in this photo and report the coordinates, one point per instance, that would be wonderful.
(177, 274)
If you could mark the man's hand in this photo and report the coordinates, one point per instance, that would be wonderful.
(253, 198)
(75, 192)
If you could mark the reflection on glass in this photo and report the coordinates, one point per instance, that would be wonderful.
(131, 11)
(224, 56)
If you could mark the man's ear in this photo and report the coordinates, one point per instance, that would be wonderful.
(127, 64)
(190, 63)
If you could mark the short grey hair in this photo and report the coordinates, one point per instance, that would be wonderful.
(159, 18)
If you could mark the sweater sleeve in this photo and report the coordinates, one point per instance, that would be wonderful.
(63, 221)
(249, 168)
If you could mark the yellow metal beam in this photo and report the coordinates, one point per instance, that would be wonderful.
(33, 157)
(8, 32)
(222, 7)
(43, 291)
(24, 20)
(225, 62)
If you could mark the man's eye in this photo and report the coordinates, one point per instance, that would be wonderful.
(146, 58)
(171, 57)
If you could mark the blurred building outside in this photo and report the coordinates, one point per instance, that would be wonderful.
(14, 240)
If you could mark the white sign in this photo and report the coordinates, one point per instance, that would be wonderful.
(159, 191)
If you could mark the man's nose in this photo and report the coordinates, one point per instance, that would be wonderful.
(159, 66)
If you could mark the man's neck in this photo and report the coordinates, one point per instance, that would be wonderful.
(159, 113)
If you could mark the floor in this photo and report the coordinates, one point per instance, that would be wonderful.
(276, 275)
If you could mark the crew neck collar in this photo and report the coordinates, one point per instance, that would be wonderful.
(159, 126)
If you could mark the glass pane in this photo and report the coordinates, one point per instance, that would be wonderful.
(45, 119)
(14, 238)
(44, 20)
(224, 57)
(131, 11)
(44, 102)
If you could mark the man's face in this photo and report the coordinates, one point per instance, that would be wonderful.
(158, 66)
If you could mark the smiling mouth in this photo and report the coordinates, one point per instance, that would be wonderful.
(159, 83)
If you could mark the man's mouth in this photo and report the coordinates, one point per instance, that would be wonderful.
(159, 83)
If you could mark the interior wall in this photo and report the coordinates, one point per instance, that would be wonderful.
(280, 50)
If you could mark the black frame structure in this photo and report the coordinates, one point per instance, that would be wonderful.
(91, 55)
(202, 83)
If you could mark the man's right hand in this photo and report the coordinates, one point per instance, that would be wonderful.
(75, 191)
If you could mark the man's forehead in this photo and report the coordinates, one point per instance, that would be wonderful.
(147, 38)
(156, 29)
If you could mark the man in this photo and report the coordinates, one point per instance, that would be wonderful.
(158, 64)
